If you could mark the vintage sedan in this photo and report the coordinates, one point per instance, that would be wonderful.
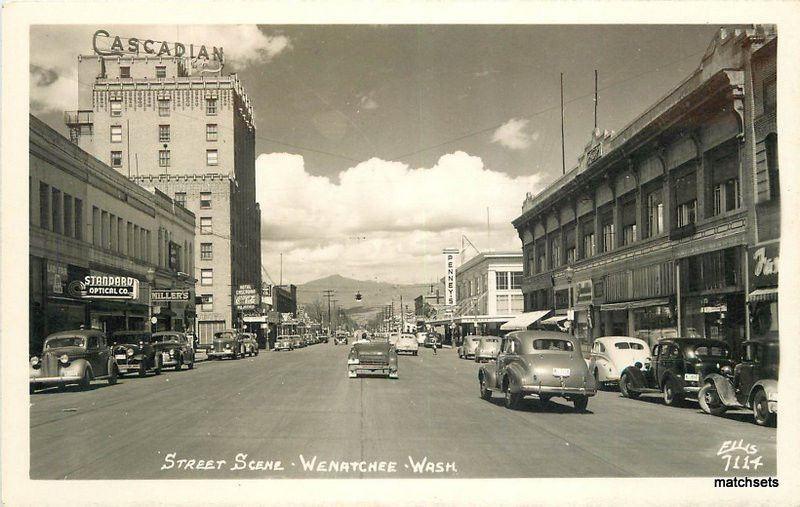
(467, 348)
(73, 357)
(487, 349)
(341, 338)
(432, 340)
(134, 352)
(298, 342)
(752, 384)
(407, 344)
(284, 342)
(174, 348)
(610, 355)
(677, 368)
(372, 358)
(250, 344)
(227, 343)
(545, 363)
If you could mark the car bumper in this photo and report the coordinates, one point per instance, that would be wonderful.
(371, 369)
(55, 380)
(558, 390)
(772, 406)
(221, 354)
(406, 350)
(128, 366)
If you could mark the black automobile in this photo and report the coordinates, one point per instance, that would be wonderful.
(175, 349)
(135, 352)
(751, 384)
(676, 369)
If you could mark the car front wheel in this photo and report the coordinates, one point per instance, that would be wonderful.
(86, 380)
(143, 368)
(112, 375)
(625, 387)
(486, 394)
(580, 403)
(671, 396)
(158, 364)
(761, 412)
(512, 400)
(709, 400)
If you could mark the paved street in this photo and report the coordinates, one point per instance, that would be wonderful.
(278, 406)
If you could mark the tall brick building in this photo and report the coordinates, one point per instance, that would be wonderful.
(167, 123)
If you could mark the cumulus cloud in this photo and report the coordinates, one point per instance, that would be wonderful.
(54, 53)
(513, 134)
(382, 218)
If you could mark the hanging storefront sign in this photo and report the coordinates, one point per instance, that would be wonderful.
(764, 261)
(266, 294)
(583, 292)
(105, 287)
(246, 297)
(169, 295)
(450, 276)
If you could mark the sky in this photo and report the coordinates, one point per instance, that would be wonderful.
(379, 145)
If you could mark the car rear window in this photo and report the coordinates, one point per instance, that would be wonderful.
(629, 345)
(712, 351)
(552, 344)
(223, 335)
(65, 341)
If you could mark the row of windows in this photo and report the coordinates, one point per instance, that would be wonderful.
(508, 279)
(60, 212)
(161, 72)
(165, 158)
(165, 133)
(205, 199)
(121, 236)
(164, 107)
(546, 253)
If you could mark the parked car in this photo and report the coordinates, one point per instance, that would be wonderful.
(298, 342)
(227, 343)
(284, 342)
(250, 342)
(751, 384)
(676, 368)
(392, 338)
(324, 338)
(73, 357)
(308, 339)
(134, 352)
(372, 358)
(467, 348)
(432, 339)
(610, 355)
(175, 349)
(545, 363)
(421, 338)
(487, 349)
(407, 344)
(341, 338)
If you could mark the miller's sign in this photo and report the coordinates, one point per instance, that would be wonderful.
(104, 44)
(169, 295)
(450, 276)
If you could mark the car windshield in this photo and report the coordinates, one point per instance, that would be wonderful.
(552, 344)
(127, 338)
(165, 338)
(712, 351)
(223, 336)
(65, 341)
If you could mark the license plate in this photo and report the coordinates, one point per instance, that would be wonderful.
(165, 356)
(693, 377)
(561, 372)
(120, 356)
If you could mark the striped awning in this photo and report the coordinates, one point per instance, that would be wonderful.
(768, 294)
(556, 319)
(523, 320)
(642, 303)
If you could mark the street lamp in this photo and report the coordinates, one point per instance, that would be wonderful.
(151, 279)
(569, 272)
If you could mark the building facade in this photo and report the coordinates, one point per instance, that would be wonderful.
(87, 220)
(648, 236)
(191, 134)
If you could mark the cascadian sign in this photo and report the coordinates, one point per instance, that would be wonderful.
(105, 44)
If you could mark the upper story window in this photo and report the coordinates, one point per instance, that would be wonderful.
(125, 72)
(501, 280)
(180, 198)
(211, 157)
(629, 222)
(207, 303)
(726, 194)
(211, 132)
(116, 159)
(206, 277)
(116, 133)
(588, 242)
(205, 225)
(211, 106)
(771, 144)
(569, 244)
(206, 251)
(163, 107)
(115, 107)
(685, 199)
(163, 158)
(655, 213)
(205, 200)
(608, 233)
(516, 280)
(163, 133)
(161, 71)
(555, 252)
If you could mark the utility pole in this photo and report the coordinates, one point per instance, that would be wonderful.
(563, 155)
(595, 99)
(328, 294)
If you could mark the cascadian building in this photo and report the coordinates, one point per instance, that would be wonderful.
(179, 125)
(652, 234)
(104, 252)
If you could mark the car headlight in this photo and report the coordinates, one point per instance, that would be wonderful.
(353, 360)
(64, 359)
(34, 361)
(171, 353)
(129, 352)
(726, 370)
(228, 346)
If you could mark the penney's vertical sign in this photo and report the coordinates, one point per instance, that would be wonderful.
(450, 276)
(104, 44)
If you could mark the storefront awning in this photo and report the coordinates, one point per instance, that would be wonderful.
(556, 319)
(627, 305)
(524, 320)
(769, 294)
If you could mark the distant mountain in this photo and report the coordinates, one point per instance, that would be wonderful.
(374, 295)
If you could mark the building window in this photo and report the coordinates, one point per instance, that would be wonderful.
(555, 253)
(687, 213)
(211, 132)
(569, 244)
(725, 180)
(211, 106)
(56, 207)
(608, 237)
(206, 251)
(770, 95)
(163, 158)
(125, 72)
(211, 157)
(629, 222)
(161, 71)
(655, 214)
(205, 200)
(207, 303)
(180, 198)
(516, 280)
(588, 245)
(68, 219)
(207, 277)
(163, 107)
(78, 219)
(44, 205)
(570, 255)
(771, 144)
(205, 225)
(116, 159)
(116, 133)
(116, 108)
(501, 280)
(163, 133)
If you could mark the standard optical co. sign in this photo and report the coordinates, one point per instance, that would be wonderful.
(104, 44)
(107, 287)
